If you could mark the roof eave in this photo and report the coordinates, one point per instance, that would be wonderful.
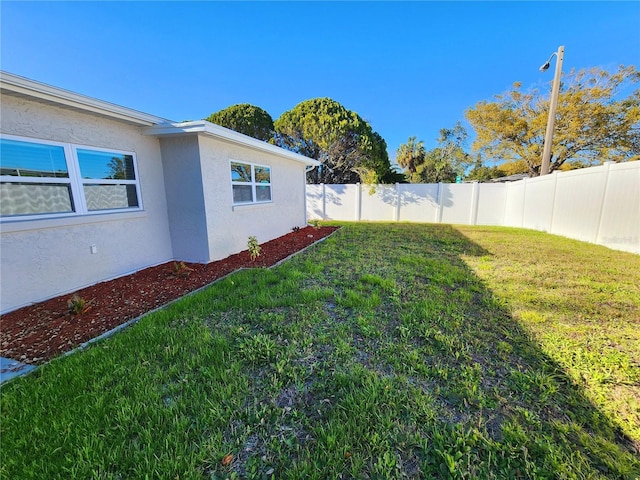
(16, 85)
(204, 127)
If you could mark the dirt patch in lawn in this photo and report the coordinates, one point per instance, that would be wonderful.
(40, 332)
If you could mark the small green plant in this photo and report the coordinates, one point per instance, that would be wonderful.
(321, 345)
(315, 223)
(78, 305)
(179, 269)
(254, 248)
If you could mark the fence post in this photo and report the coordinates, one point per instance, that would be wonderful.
(440, 201)
(553, 200)
(324, 202)
(524, 200)
(358, 202)
(607, 168)
(397, 213)
(473, 211)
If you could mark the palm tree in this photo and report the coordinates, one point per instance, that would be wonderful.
(411, 154)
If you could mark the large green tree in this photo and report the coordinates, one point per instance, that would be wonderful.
(345, 144)
(598, 119)
(442, 164)
(245, 118)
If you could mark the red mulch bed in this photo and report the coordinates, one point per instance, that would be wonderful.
(37, 333)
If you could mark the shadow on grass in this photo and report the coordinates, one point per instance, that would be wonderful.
(376, 354)
(534, 404)
(415, 316)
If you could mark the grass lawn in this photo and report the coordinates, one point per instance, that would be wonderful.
(387, 351)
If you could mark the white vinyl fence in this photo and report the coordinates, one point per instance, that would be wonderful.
(598, 204)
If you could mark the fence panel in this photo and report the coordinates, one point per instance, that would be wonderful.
(418, 202)
(539, 203)
(378, 203)
(341, 202)
(492, 200)
(578, 202)
(598, 204)
(456, 201)
(315, 202)
(514, 204)
(619, 225)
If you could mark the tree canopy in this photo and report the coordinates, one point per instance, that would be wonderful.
(482, 173)
(345, 144)
(442, 164)
(411, 154)
(595, 121)
(245, 118)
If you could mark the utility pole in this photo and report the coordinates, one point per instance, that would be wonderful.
(553, 105)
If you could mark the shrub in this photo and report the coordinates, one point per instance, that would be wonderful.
(254, 248)
(78, 305)
(179, 269)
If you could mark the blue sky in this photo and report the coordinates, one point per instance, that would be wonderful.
(410, 69)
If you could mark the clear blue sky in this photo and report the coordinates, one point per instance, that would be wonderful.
(410, 69)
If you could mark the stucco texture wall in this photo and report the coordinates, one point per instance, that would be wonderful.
(47, 257)
(230, 226)
(185, 198)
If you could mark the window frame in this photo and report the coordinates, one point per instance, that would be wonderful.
(74, 180)
(107, 181)
(252, 183)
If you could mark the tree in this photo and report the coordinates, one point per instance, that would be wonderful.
(594, 122)
(482, 173)
(245, 118)
(393, 176)
(442, 164)
(345, 144)
(513, 168)
(411, 154)
(434, 169)
(119, 167)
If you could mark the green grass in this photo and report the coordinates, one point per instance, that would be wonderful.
(387, 351)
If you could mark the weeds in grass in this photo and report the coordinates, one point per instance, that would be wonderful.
(346, 363)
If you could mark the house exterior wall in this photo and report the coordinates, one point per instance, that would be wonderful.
(48, 257)
(185, 198)
(228, 225)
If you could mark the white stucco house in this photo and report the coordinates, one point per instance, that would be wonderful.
(91, 191)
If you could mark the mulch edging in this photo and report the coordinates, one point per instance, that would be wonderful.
(37, 333)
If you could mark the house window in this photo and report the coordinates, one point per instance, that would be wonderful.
(108, 179)
(34, 179)
(48, 179)
(250, 183)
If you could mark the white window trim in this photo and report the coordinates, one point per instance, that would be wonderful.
(253, 184)
(74, 180)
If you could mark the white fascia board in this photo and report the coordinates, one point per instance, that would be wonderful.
(25, 87)
(204, 127)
